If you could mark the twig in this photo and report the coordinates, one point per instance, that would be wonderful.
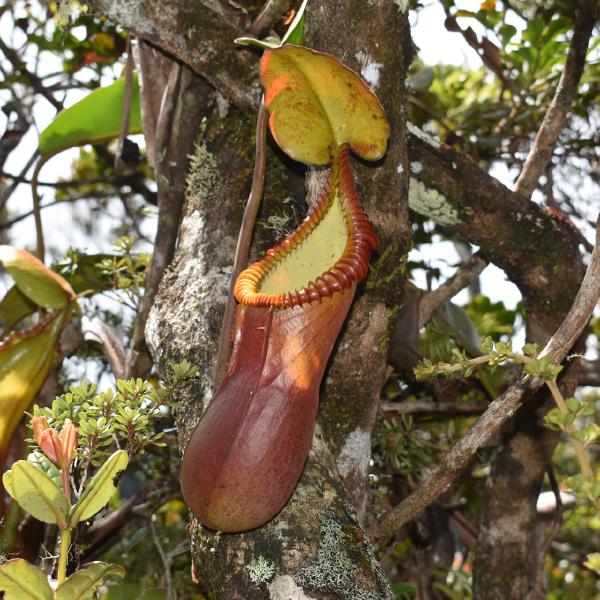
(67, 200)
(169, 212)
(171, 593)
(270, 13)
(462, 278)
(428, 407)
(538, 585)
(242, 250)
(37, 203)
(120, 165)
(35, 82)
(6, 194)
(110, 340)
(556, 115)
(454, 463)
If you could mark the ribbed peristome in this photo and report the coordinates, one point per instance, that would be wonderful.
(348, 270)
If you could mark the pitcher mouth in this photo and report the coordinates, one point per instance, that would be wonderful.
(329, 251)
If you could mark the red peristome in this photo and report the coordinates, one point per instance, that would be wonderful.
(352, 266)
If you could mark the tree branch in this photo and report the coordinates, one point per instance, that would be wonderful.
(541, 152)
(199, 37)
(437, 409)
(463, 277)
(454, 463)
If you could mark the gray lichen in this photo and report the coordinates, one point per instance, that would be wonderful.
(261, 570)
(431, 204)
(333, 571)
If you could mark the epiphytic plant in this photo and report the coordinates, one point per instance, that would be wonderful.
(70, 475)
(245, 456)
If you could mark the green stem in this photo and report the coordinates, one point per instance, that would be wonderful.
(63, 557)
(580, 451)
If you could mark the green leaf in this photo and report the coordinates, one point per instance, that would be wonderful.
(572, 404)
(533, 31)
(36, 493)
(403, 588)
(507, 32)
(316, 103)
(13, 307)
(100, 489)
(25, 359)
(20, 580)
(83, 584)
(295, 32)
(85, 272)
(593, 562)
(461, 327)
(34, 279)
(95, 118)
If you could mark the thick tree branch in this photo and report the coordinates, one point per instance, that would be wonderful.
(196, 35)
(541, 152)
(454, 463)
(437, 409)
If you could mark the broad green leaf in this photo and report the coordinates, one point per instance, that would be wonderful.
(295, 32)
(316, 103)
(13, 307)
(36, 493)
(20, 580)
(25, 359)
(34, 279)
(461, 327)
(95, 118)
(100, 489)
(83, 584)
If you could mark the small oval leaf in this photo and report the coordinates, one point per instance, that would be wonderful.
(82, 584)
(37, 494)
(316, 103)
(74, 127)
(20, 580)
(100, 489)
(34, 279)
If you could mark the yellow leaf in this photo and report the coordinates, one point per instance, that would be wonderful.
(25, 359)
(316, 103)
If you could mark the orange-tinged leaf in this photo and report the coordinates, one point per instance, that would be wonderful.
(489, 5)
(316, 104)
(25, 359)
(34, 279)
